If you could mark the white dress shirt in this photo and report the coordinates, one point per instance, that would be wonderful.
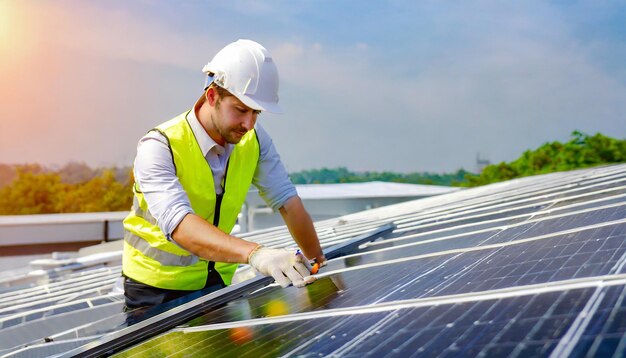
(167, 200)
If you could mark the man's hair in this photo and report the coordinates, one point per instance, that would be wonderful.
(220, 91)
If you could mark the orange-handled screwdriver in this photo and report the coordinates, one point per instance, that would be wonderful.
(315, 268)
(312, 265)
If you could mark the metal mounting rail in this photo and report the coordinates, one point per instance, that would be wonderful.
(168, 315)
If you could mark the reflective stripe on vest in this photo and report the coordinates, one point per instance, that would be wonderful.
(145, 214)
(164, 258)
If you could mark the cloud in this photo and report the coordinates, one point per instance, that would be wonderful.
(361, 46)
(498, 93)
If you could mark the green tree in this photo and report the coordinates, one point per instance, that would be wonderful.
(580, 151)
(343, 175)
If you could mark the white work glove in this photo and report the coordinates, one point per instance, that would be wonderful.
(285, 266)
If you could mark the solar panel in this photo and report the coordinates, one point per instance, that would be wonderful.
(534, 266)
(491, 327)
(67, 318)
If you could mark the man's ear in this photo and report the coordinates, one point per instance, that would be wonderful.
(211, 96)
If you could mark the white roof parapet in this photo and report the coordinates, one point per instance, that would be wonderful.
(374, 189)
(13, 220)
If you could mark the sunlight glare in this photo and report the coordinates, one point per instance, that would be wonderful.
(6, 22)
(17, 42)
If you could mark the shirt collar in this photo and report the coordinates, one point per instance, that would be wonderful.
(204, 140)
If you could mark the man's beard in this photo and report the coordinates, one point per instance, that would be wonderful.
(232, 136)
(235, 136)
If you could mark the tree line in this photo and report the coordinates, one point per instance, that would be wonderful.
(343, 175)
(581, 151)
(76, 187)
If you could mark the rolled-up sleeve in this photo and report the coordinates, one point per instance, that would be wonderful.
(155, 174)
(271, 178)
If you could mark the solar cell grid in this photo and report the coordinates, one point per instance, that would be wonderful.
(35, 331)
(587, 186)
(547, 260)
(328, 238)
(33, 316)
(342, 290)
(35, 302)
(459, 232)
(529, 226)
(94, 328)
(445, 330)
(446, 275)
(77, 282)
(48, 311)
(47, 349)
(563, 186)
(575, 248)
(558, 190)
(423, 223)
(554, 224)
(423, 246)
(591, 199)
(463, 226)
(567, 204)
(11, 322)
(604, 336)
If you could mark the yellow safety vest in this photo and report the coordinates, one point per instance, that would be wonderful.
(153, 260)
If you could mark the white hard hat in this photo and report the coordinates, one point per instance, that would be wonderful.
(245, 69)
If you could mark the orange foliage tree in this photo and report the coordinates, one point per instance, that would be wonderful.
(45, 193)
(31, 193)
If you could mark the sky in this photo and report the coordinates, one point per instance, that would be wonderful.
(390, 85)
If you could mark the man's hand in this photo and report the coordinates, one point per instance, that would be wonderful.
(283, 265)
(302, 230)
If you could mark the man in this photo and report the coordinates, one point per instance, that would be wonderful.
(192, 174)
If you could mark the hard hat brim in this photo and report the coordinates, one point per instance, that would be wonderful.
(260, 105)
